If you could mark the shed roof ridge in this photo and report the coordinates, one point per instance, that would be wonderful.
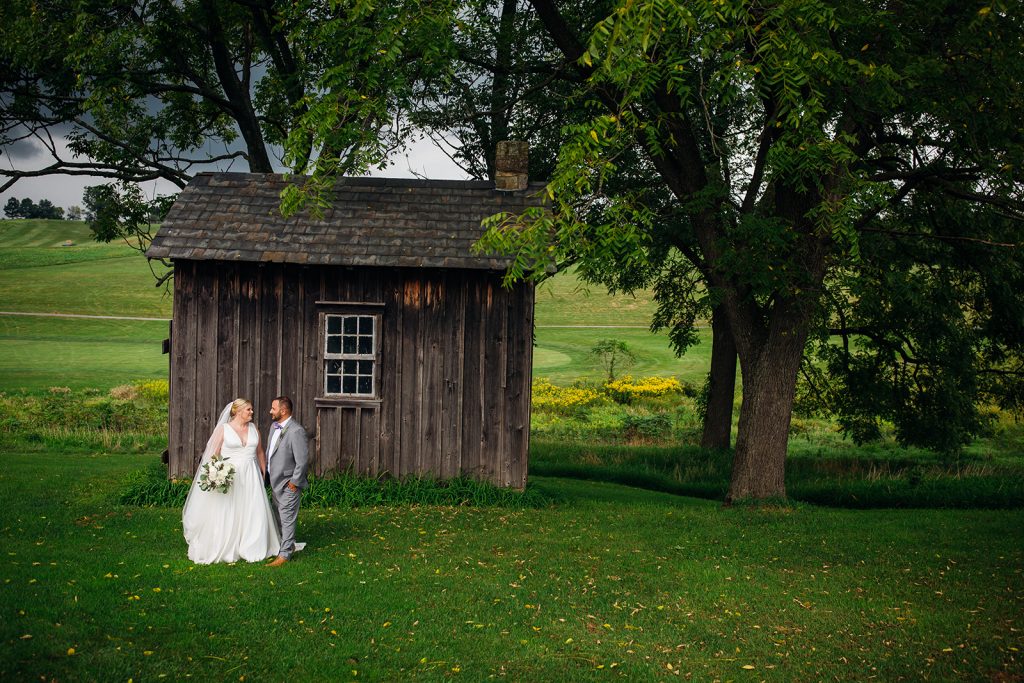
(370, 181)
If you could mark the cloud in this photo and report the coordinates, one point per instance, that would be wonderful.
(24, 150)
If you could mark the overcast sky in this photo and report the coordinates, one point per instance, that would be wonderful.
(422, 159)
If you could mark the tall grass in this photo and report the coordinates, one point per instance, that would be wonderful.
(128, 418)
(839, 481)
(149, 487)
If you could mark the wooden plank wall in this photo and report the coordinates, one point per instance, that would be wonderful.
(455, 371)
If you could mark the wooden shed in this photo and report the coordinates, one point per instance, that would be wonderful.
(401, 349)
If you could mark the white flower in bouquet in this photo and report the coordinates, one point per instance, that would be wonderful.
(216, 475)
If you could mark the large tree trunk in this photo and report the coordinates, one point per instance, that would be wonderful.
(721, 384)
(769, 369)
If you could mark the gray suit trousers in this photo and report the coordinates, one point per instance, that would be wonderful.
(286, 510)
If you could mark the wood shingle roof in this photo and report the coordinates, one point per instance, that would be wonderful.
(369, 222)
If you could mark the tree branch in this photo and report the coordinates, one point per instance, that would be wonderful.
(947, 238)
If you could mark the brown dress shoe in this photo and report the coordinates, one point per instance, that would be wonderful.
(277, 561)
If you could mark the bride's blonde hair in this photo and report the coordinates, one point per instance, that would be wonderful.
(238, 404)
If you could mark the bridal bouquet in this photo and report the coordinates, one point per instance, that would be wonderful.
(216, 475)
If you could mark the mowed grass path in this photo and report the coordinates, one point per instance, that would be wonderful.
(612, 583)
(38, 274)
(38, 353)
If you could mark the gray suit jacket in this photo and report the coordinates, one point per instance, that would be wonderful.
(290, 459)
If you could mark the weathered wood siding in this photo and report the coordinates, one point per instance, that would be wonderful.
(454, 376)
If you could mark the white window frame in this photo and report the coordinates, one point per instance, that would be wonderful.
(372, 357)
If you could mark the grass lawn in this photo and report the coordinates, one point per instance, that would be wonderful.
(119, 285)
(612, 583)
(43, 352)
(572, 316)
(37, 274)
(35, 232)
(565, 300)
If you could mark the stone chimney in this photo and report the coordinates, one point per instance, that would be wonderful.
(510, 165)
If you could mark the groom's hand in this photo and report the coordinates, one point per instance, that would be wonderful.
(292, 486)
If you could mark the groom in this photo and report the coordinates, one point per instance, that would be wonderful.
(287, 462)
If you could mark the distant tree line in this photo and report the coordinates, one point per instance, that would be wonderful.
(26, 208)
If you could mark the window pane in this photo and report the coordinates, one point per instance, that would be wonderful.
(352, 336)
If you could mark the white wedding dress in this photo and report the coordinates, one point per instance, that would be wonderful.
(239, 524)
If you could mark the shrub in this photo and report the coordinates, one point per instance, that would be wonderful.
(601, 423)
(155, 391)
(125, 392)
(563, 400)
(627, 390)
(647, 427)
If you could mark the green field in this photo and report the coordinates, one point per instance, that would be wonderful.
(565, 300)
(38, 353)
(612, 583)
(37, 274)
(43, 234)
(563, 354)
(571, 317)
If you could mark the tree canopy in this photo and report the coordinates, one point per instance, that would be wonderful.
(158, 89)
(26, 208)
(819, 166)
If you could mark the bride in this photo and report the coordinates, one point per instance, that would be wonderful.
(239, 524)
